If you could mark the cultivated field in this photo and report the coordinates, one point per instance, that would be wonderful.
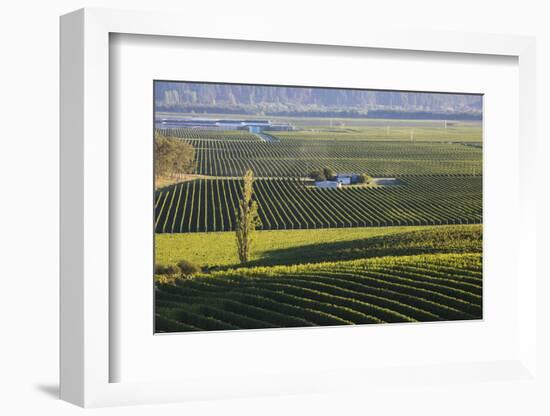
(360, 254)
(295, 156)
(382, 290)
(209, 205)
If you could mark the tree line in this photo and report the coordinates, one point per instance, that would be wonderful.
(173, 156)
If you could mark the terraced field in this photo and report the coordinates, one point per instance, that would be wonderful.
(381, 290)
(209, 204)
(232, 153)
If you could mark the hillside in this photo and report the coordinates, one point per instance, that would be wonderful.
(381, 290)
(246, 99)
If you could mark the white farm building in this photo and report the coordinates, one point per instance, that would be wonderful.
(344, 179)
(328, 184)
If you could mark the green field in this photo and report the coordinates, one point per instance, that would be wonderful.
(300, 152)
(312, 246)
(210, 204)
(332, 123)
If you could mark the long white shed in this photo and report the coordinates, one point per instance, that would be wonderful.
(328, 184)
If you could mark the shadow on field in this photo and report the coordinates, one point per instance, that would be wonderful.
(468, 239)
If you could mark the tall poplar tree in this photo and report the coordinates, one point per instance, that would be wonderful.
(247, 218)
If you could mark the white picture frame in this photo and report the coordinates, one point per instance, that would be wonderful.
(86, 356)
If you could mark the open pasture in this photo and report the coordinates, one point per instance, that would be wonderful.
(432, 131)
(310, 122)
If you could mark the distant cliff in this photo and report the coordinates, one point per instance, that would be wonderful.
(233, 98)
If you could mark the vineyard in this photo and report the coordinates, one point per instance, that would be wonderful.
(232, 153)
(209, 204)
(381, 290)
(408, 250)
(210, 135)
(287, 247)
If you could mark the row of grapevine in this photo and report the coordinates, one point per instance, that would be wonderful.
(337, 149)
(232, 153)
(206, 205)
(389, 289)
(210, 134)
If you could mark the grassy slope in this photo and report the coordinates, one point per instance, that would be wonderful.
(310, 246)
(417, 288)
(208, 205)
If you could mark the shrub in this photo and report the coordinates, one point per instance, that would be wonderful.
(167, 270)
(173, 156)
(317, 175)
(329, 173)
(165, 280)
(186, 267)
(364, 178)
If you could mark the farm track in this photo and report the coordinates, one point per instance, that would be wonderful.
(350, 292)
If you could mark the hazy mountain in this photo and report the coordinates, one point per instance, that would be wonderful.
(234, 98)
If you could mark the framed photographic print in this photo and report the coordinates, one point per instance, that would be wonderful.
(281, 213)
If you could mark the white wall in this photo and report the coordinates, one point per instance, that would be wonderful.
(29, 172)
